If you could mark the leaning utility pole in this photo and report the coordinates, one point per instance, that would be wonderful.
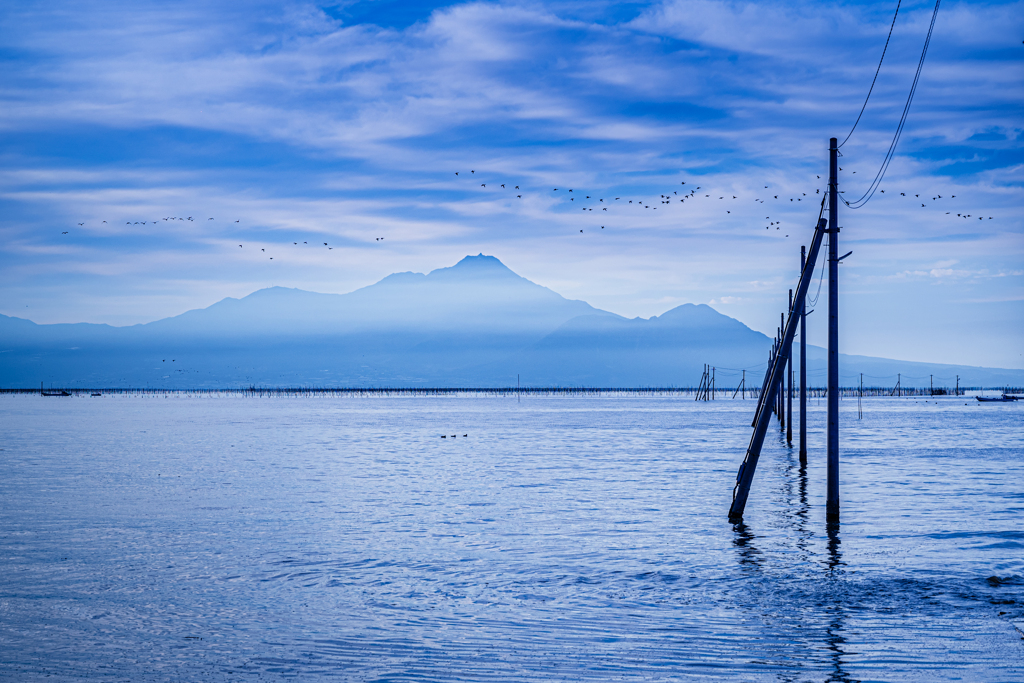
(772, 387)
(789, 387)
(803, 367)
(832, 436)
(781, 395)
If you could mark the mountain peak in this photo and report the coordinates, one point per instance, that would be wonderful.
(480, 266)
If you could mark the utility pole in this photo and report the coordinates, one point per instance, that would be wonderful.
(860, 396)
(782, 392)
(772, 385)
(832, 437)
(803, 367)
(789, 389)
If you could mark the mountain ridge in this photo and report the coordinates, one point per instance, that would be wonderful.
(476, 323)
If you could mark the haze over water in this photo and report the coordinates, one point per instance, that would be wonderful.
(225, 538)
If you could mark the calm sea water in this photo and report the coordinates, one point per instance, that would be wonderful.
(233, 538)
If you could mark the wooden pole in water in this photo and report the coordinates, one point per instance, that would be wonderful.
(803, 367)
(773, 383)
(860, 396)
(781, 395)
(832, 427)
(789, 386)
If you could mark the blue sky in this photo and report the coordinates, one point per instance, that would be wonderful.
(346, 122)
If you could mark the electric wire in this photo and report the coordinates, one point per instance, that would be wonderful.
(876, 75)
(821, 278)
(866, 197)
(821, 213)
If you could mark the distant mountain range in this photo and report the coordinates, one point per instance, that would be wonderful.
(475, 324)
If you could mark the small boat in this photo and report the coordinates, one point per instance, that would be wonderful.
(55, 393)
(996, 399)
(96, 393)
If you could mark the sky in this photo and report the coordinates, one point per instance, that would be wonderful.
(158, 157)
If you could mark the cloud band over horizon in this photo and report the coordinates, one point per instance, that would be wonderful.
(345, 123)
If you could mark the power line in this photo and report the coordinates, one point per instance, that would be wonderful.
(876, 74)
(866, 197)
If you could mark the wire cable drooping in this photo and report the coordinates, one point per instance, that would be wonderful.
(821, 213)
(889, 37)
(866, 197)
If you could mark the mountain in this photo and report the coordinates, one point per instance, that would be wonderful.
(476, 323)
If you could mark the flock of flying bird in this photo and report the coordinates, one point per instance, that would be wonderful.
(692, 193)
(589, 202)
(190, 218)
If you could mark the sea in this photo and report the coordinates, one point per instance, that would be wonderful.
(187, 537)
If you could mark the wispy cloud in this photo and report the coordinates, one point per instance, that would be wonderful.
(299, 122)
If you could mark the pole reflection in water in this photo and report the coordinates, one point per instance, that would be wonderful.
(744, 542)
(837, 617)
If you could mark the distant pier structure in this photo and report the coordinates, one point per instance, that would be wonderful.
(773, 396)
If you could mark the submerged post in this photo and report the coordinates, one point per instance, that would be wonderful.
(803, 367)
(832, 436)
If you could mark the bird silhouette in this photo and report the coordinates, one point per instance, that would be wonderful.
(65, 232)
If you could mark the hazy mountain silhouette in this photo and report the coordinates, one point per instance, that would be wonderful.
(476, 323)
